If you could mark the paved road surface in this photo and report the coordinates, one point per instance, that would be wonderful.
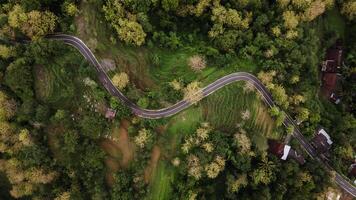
(211, 88)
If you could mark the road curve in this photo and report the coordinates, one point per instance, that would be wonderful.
(209, 89)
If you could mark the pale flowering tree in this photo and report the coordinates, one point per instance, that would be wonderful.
(243, 142)
(63, 196)
(176, 85)
(212, 170)
(25, 138)
(208, 147)
(120, 80)
(234, 184)
(194, 168)
(245, 115)
(142, 138)
(192, 92)
(197, 63)
(176, 162)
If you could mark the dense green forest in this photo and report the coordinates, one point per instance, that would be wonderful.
(56, 141)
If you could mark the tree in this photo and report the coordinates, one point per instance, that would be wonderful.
(234, 184)
(197, 63)
(142, 138)
(315, 9)
(20, 79)
(71, 9)
(125, 23)
(6, 52)
(92, 126)
(39, 24)
(130, 32)
(120, 80)
(192, 92)
(34, 24)
(170, 5)
(303, 114)
(243, 142)
(7, 107)
(280, 96)
(290, 19)
(349, 9)
(17, 16)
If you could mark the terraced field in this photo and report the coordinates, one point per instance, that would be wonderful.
(231, 107)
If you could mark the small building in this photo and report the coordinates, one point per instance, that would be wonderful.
(322, 141)
(283, 151)
(352, 170)
(333, 59)
(330, 86)
(330, 69)
(110, 114)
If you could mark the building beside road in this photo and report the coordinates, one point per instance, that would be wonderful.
(110, 114)
(284, 151)
(330, 69)
(322, 141)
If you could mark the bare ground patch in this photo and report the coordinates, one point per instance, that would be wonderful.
(120, 150)
(42, 82)
(150, 170)
(53, 133)
(264, 120)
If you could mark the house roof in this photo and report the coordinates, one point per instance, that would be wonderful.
(333, 58)
(322, 141)
(298, 157)
(329, 83)
(329, 80)
(326, 135)
(353, 170)
(276, 148)
(110, 113)
(285, 152)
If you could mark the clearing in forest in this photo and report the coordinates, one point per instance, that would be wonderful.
(119, 148)
(151, 168)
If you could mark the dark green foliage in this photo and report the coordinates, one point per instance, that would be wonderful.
(20, 79)
(92, 126)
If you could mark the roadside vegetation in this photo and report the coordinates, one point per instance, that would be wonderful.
(57, 141)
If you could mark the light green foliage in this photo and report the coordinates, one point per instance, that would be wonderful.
(280, 96)
(34, 24)
(71, 9)
(303, 114)
(290, 19)
(170, 5)
(127, 28)
(349, 9)
(130, 32)
(6, 52)
(17, 16)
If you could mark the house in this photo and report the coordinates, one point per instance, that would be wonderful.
(283, 151)
(330, 69)
(322, 141)
(330, 86)
(352, 170)
(333, 59)
(110, 113)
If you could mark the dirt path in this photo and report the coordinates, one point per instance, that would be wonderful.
(120, 150)
(150, 170)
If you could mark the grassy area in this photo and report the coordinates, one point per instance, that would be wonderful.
(57, 84)
(224, 108)
(161, 184)
(333, 21)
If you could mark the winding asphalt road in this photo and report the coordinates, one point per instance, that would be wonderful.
(342, 181)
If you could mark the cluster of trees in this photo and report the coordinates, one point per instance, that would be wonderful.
(211, 162)
(48, 147)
